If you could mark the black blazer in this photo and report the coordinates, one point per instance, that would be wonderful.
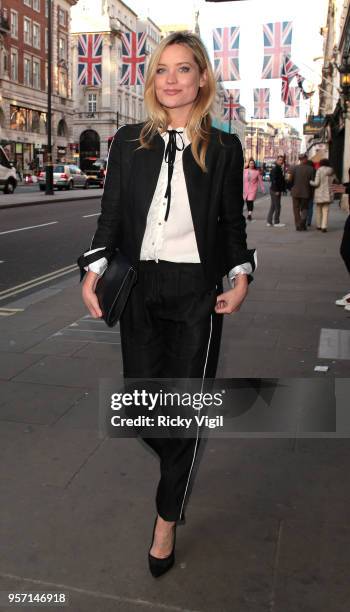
(215, 198)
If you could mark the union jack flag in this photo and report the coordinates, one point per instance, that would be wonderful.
(133, 58)
(231, 100)
(289, 71)
(226, 53)
(90, 59)
(277, 44)
(292, 109)
(261, 103)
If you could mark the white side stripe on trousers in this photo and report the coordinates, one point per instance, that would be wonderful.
(195, 447)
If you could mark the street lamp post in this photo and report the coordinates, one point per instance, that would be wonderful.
(49, 167)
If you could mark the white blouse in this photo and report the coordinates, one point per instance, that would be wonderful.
(174, 239)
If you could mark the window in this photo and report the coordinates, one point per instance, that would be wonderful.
(36, 5)
(62, 48)
(63, 82)
(61, 17)
(36, 35)
(14, 64)
(46, 39)
(46, 75)
(92, 103)
(27, 28)
(46, 8)
(14, 24)
(27, 71)
(27, 2)
(36, 74)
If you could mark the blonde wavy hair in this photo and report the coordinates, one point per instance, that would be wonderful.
(199, 121)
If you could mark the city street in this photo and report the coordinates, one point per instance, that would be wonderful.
(273, 511)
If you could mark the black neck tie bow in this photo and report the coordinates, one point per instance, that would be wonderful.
(170, 154)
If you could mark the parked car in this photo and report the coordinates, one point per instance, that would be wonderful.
(65, 176)
(96, 172)
(8, 177)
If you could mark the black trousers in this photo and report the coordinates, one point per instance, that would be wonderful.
(250, 205)
(345, 244)
(169, 330)
(273, 216)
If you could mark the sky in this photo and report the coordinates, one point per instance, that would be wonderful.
(308, 16)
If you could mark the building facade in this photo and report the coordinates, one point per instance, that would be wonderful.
(101, 107)
(334, 136)
(265, 140)
(24, 78)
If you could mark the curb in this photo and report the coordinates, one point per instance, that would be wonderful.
(49, 201)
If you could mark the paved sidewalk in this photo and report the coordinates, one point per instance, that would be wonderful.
(267, 524)
(38, 197)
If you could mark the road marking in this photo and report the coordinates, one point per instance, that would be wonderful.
(93, 215)
(8, 312)
(34, 282)
(21, 229)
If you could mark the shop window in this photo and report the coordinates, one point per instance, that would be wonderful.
(18, 118)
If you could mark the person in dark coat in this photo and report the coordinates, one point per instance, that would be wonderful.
(301, 191)
(173, 204)
(278, 185)
(345, 243)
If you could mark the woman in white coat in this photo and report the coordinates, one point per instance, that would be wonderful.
(323, 195)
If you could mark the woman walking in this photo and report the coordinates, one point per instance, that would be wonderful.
(251, 181)
(172, 203)
(323, 193)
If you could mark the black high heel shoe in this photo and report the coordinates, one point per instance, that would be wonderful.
(157, 566)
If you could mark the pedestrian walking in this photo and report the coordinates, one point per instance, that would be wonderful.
(252, 179)
(310, 208)
(173, 204)
(301, 191)
(345, 243)
(277, 186)
(323, 194)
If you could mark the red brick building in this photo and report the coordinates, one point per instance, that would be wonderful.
(23, 80)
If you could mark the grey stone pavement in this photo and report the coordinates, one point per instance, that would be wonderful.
(267, 524)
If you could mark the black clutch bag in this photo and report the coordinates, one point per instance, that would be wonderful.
(114, 286)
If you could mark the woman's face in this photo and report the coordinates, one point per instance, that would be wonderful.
(177, 78)
(251, 165)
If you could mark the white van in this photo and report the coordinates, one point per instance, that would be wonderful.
(8, 180)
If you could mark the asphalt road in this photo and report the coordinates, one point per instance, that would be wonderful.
(42, 240)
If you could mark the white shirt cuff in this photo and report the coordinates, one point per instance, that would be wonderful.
(100, 265)
(245, 268)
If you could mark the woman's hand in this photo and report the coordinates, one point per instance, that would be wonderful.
(338, 188)
(231, 301)
(89, 296)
